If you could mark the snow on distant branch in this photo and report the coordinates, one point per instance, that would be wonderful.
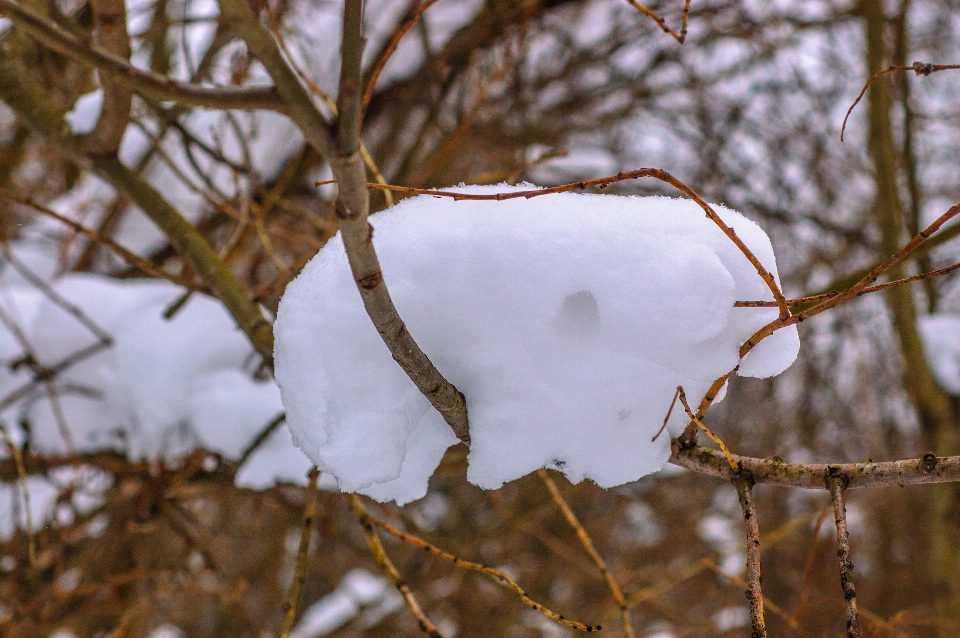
(567, 321)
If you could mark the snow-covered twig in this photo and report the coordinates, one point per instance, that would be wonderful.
(603, 182)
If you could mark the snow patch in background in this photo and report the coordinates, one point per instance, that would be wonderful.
(566, 320)
(160, 389)
(941, 343)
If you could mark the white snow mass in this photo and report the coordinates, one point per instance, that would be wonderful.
(567, 321)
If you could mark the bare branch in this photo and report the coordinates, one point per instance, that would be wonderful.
(754, 594)
(919, 68)
(650, 13)
(147, 83)
(110, 24)
(837, 481)
(369, 521)
(380, 555)
(929, 468)
(385, 57)
(37, 110)
(587, 543)
(300, 569)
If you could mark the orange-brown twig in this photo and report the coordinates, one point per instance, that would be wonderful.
(380, 555)
(650, 13)
(300, 568)
(716, 439)
(803, 301)
(391, 47)
(369, 521)
(919, 68)
(587, 543)
(603, 182)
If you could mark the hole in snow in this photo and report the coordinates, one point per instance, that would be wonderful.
(578, 319)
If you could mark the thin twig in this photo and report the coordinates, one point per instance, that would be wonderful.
(716, 439)
(147, 83)
(300, 569)
(919, 68)
(262, 436)
(603, 182)
(803, 301)
(22, 475)
(650, 13)
(837, 483)
(587, 543)
(380, 555)
(387, 52)
(369, 521)
(744, 487)
(133, 260)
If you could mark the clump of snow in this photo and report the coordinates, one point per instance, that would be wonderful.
(566, 320)
(941, 344)
(86, 112)
(162, 387)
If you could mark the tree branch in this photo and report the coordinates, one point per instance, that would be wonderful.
(813, 476)
(744, 486)
(34, 107)
(147, 83)
(110, 24)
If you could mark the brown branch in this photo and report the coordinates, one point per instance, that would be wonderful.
(803, 301)
(919, 68)
(836, 481)
(147, 83)
(854, 290)
(133, 260)
(385, 57)
(587, 543)
(36, 108)
(813, 476)
(300, 568)
(603, 182)
(380, 555)
(110, 29)
(745, 491)
(369, 521)
(650, 13)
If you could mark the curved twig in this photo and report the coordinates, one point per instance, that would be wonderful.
(603, 182)
(653, 15)
(369, 521)
(919, 68)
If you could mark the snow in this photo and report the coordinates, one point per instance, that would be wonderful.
(941, 344)
(86, 112)
(161, 387)
(566, 320)
(358, 590)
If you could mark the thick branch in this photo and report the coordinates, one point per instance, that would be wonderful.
(813, 476)
(110, 24)
(146, 83)
(34, 107)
